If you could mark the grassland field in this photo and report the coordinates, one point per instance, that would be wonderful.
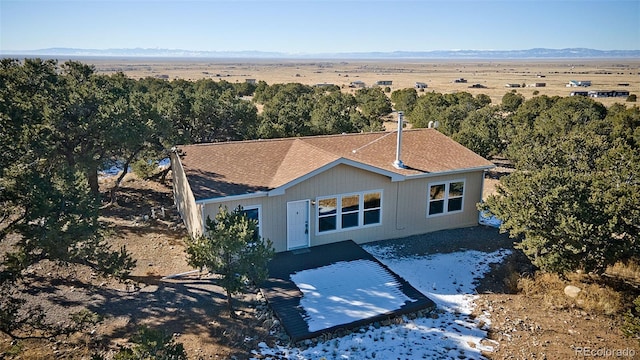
(439, 75)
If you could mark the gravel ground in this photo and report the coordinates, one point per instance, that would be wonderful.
(481, 238)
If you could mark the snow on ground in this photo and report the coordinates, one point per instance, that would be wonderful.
(329, 297)
(447, 279)
(117, 167)
(488, 219)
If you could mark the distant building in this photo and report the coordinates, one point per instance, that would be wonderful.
(579, 93)
(421, 85)
(513, 85)
(250, 81)
(538, 85)
(460, 81)
(608, 93)
(357, 84)
(576, 83)
(384, 82)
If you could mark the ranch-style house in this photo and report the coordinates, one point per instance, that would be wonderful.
(309, 191)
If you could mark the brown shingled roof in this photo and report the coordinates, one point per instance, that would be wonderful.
(244, 167)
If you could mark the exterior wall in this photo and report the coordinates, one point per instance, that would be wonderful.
(185, 201)
(404, 206)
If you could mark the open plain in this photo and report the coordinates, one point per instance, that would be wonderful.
(438, 75)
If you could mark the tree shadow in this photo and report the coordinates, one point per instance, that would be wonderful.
(206, 185)
(502, 278)
(195, 306)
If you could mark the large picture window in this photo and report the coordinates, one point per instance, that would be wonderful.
(349, 211)
(445, 197)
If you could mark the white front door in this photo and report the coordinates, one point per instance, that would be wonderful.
(297, 224)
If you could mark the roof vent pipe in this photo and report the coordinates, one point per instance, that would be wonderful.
(398, 164)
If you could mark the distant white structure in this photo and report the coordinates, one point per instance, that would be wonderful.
(576, 83)
(608, 93)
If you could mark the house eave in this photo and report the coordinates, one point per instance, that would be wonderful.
(280, 190)
(450, 172)
(221, 199)
(393, 176)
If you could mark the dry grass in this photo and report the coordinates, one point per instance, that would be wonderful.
(595, 295)
(599, 298)
(548, 287)
(628, 271)
(437, 74)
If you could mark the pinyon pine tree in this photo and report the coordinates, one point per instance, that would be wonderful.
(231, 248)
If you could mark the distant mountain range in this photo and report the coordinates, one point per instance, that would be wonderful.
(538, 53)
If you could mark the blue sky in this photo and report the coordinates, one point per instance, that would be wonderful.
(320, 26)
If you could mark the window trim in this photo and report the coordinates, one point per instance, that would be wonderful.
(338, 214)
(445, 207)
(259, 208)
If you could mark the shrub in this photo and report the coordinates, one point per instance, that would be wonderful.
(598, 298)
(152, 344)
(144, 169)
(632, 98)
(625, 270)
(593, 296)
(548, 287)
(631, 327)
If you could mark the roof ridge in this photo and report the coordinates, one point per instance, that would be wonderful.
(374, 141)
(285, 164)
(293, 138)
(318, 148)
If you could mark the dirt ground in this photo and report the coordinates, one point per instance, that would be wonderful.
(526, 327)
(193, 308)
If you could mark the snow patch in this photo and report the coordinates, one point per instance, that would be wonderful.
(488, 219)
(449, 280)
(347, 291)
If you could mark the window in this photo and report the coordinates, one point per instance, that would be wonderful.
(327, 214)
(372, 207)
(253, 212)
(445, 197)
(349, 211)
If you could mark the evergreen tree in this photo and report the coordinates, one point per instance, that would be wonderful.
(573, 199)
(232, 248)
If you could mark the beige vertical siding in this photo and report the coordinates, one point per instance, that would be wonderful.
(184, 199)
(404, 206)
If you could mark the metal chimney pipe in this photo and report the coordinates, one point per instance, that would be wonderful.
(398, 164)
